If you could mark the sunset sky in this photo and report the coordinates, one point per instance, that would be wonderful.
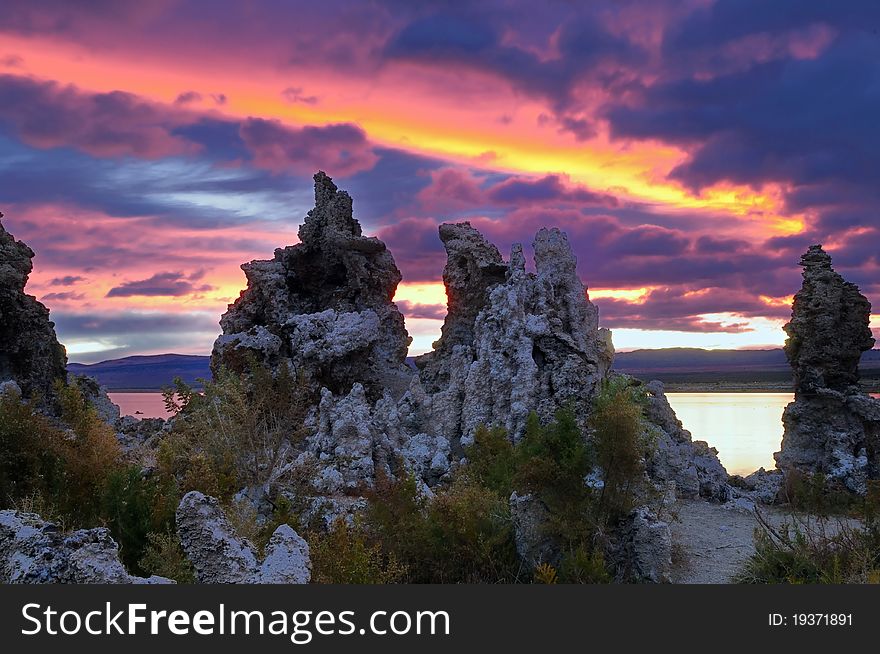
(690, 149)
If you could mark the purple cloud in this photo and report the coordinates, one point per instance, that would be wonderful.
(341, 149)
(171, 284)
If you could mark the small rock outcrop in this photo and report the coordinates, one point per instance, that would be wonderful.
(30, 354)
(33, 551)
(97, 396)
(644, 551)
(220, 556)
(323, 306)
(692, 465)
(530, 518)
(832, 427)
(763, 486)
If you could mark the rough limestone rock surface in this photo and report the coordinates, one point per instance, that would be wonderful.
(644, 551)
(530, 517)
(323, 306)
(763, 486)
(832, 427)
(513, 341)
(30, 353)
(473, 265)
(220, 556)
(33, 551)
(97, 396)
(692, 465)
(287, 559)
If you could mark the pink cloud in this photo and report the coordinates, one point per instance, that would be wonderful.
(451, 188)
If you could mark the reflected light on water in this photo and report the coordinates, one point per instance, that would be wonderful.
(745, 428)
(140, 405)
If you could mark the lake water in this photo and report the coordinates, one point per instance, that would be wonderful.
(140, 405)
(745, 428)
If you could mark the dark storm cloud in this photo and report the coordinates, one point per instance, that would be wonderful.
(67, 280)
(473, 37)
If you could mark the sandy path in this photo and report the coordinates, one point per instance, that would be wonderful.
(712, 541)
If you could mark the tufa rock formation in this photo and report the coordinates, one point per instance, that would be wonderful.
(323, 306)
(691, 465)
(30, 354)
(33, 551)
(832, 427)
(220, 556)
(530, 517)
(512, 342)
(644, 551)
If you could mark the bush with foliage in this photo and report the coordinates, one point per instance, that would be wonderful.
(71, 471)
(346, 554)
(622, 439)
(164, 556)
(240, 432)
(30, 462)
(463, 534)
(134, 506)
(819, 547)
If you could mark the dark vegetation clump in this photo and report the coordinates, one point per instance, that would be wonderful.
(71, 471)
(830, 538)
(238, 433)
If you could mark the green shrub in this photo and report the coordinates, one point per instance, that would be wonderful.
(91, 454)
(622, 438)
(462, 535)
(30, 465)
(164, 556)
(492, 460)
(816, 549)
(345, 554)
(814, 494)
(469, 537)
(552, 461)
(72, 473)
(132, 507)
(240, 432)
(584, 565)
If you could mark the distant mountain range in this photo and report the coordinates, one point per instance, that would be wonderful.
(146, 373)
(670, 365)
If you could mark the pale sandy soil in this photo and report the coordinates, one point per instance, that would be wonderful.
(711, 541)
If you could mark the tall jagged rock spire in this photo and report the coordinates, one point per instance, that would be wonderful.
(829, 327)
(332, 217)
(472, 266)
(832, 427)
(513, 342)
(30, 354)
(323, 306)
